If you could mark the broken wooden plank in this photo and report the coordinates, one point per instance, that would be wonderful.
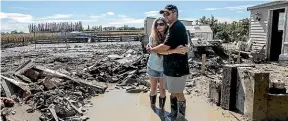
(21, 69)
(73, 106)
(9, 91)
(49, 72)
(53, 112)
(24, 66)
(17, 83)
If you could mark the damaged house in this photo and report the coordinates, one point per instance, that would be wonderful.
(269, 29)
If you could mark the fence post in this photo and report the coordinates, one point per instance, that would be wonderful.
(203, 63)
(23, 41)
(35, 40)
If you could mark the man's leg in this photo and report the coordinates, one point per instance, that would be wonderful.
(181, 101)
(173, 98)
(173, 104)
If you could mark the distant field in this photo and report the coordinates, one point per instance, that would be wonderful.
(29, 37)
(116, 33)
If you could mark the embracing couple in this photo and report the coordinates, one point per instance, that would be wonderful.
(168, 60)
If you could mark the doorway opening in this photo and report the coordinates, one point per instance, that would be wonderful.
(276, 34)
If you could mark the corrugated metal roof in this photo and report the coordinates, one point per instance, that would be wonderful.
(199, 29)
(280, 2)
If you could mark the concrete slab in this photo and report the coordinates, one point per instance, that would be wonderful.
(243, 87)
(229, 85)
(277, 107)
(252, 93)
(215, 91)
(228, 89)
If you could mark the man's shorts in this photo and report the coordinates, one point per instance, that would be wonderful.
(174, 84)
(154, 73)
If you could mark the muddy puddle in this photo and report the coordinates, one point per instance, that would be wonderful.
(117, 105)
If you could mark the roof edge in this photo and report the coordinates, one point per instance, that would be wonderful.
(267, 5)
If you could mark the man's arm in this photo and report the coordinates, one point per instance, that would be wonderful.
(168, 43)
(179, 50)
(160, 48)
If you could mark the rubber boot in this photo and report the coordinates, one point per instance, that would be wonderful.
(174, 107)
(153, 99)
(162, 102)
(181, 110)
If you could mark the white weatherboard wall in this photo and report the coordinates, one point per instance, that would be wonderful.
(258, 29)
(284, 53)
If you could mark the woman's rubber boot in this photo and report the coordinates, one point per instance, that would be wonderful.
(181, 110)
(162, 101)
(174, 107)
(153, 99)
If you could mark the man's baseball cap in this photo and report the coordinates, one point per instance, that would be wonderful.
(169, 7)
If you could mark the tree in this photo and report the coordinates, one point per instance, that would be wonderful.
(14, 32)
(235, 31)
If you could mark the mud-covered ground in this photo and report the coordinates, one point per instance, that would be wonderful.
(75, 57)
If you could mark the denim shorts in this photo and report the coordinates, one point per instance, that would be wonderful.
(154, 73)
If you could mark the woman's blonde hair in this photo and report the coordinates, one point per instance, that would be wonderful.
(155, 34)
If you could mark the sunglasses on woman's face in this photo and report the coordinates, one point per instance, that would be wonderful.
(160, 24)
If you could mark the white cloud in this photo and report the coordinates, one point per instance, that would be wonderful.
(110, 13)
(188, 19)
(232, 8)
(227, 19)
(15, 26)
(152, 14)
(102, 15)
(20, 22)
(57, 16)
(123, 21)
(122, 16)
(18, 17)
(220, 19)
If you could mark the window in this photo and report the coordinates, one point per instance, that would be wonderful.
(281, 21)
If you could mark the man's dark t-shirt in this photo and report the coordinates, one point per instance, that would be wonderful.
(176, 65)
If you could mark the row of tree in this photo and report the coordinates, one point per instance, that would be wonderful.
(55, 27)
(111, 28)
(77, 26)
(235, 31)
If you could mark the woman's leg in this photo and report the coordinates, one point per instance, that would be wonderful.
(153, 90)
(153, 84)
(161, 88)
(162, 98)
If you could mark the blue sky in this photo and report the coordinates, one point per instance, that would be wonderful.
(17, 15)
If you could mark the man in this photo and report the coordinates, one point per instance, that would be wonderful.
(176, 68)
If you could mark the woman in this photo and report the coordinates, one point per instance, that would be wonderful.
(155, 63)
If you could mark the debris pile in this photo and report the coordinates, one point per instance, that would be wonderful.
(213, 65)
(122, 70)
(5, 104)
(63, 94)
(56, 95)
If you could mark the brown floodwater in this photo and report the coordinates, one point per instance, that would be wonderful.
(117, 105)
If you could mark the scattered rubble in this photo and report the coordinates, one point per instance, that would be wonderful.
(61, 93)
(59, 82)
